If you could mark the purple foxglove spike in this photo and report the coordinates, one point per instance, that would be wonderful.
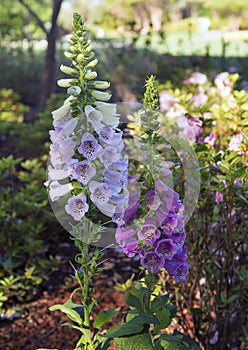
(167, 221)
(77, 206)
(109, 155)
(89, 147)
(163, 189)
(152, 261)
(152, 200)
(178, 237)
(83, 172)
(180, 221)
(181, 254)
(133, 205)
(100, 193)
(166, 248)
(123, 234)
(131, 247)
(178, 270)
(149, 232)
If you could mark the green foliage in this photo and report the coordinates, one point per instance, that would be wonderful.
(217, 230)
(25, 216)
(150, 314)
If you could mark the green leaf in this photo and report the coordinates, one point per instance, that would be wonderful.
(132, 300)
(104, 317)
(164, 317)
(133, 326)
(72, 314)
(177, 341)
(190, 343)
(159, 302)
(136, 342)
(81, 329)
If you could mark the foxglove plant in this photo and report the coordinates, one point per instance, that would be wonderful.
(87, 174)
(158, 237)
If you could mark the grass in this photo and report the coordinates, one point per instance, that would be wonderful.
(211, 42)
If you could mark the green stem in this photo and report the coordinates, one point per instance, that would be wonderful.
(86, 287)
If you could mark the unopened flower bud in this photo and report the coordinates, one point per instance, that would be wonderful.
(73, 90)
(68, 70)
(72, 48)
(101, 84)
(90, 75)
(66, 82)
(69, 54)
(102, 96)
(80, 58)
(92, 64)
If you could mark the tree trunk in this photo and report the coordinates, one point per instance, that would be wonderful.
(49, 72)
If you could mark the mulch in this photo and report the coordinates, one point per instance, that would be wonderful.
(38, 327)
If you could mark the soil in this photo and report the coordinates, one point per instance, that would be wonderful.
(37, 327)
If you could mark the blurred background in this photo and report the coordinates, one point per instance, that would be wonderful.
(134, 38)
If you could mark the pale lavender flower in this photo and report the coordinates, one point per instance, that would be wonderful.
(77, 206)
(152, 261)
(89, 147)
(61, 153)
(114, 179)
(58, 173)
(108, 155)
(149, 232)
(100, 193)
(94, 117)
(166, 248)
(83, 172)
(57, 190)
(106, 134)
